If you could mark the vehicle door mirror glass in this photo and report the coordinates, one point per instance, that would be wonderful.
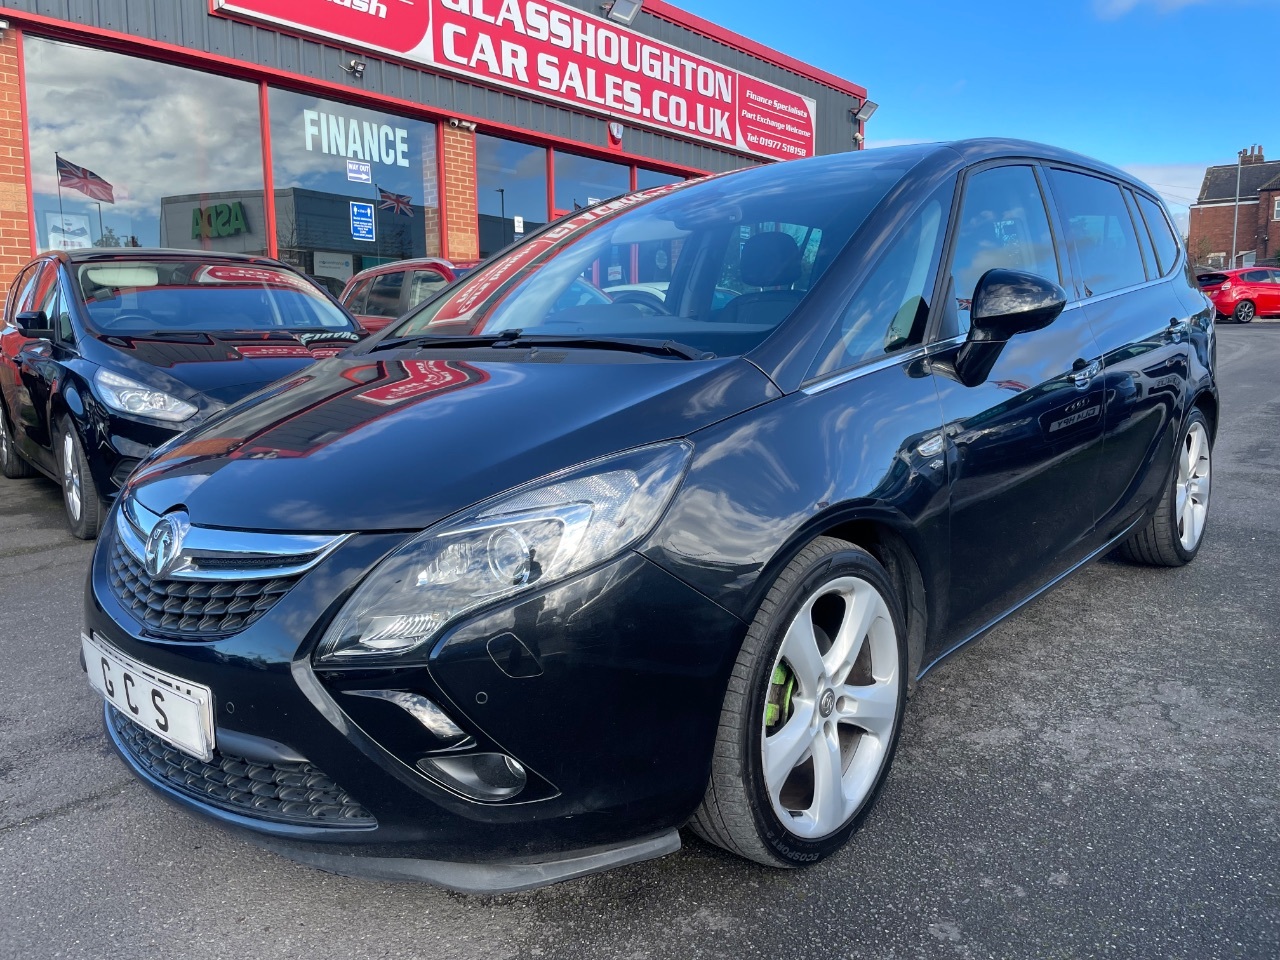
(34, 325)
(1009, 302)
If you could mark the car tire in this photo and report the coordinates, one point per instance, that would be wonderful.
(1173, 534)
(823, 663)
(79, 496)
(11, 463)
(1244, 312)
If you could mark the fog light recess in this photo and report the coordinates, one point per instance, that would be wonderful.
(479, 776)
(435, 720)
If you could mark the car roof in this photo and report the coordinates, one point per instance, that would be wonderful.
(397, 266)
(89, 254)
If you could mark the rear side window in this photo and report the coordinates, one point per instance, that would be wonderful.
(1255, 276)
(1003, 224)
(1161, 233)
(1099, 230)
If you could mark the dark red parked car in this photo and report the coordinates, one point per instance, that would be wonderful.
(1244, 294)
(390, 290)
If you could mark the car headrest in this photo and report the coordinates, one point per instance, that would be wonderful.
(770, 260)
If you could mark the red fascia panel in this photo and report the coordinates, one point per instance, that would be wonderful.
(713, 31)
(184, 56)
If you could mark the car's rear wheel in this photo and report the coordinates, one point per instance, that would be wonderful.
(1173, 535)
(11, 463)
(79, 496)
(1244, 312)
(812, 714)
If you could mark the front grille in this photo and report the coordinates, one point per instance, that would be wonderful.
(191, 609)
(285, 792)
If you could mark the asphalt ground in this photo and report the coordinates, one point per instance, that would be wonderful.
(1097, 777)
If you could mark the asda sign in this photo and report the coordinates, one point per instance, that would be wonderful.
(222, 220)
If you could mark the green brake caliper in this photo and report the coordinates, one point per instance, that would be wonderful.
(781, 687)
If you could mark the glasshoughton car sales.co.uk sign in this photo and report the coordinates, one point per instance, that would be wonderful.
(544, 49)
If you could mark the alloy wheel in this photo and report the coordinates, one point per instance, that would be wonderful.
(71, 482)
(1192, 504)
(832, 707)
(1245, 312)
(4, 439)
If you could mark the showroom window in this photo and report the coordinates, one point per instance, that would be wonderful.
(354, 187)
(583, 181)
(511, 179)
(651, 178)
(129, 152)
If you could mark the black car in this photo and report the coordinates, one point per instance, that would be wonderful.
(515, 590)
(106, 354)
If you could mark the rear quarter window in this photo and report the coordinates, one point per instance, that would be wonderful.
(1162, 234)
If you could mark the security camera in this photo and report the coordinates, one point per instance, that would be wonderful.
(858, 137)
(467, 125)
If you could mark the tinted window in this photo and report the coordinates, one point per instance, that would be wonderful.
(425, 284)
(1255, 276)
(1144, 238)
(891, 309)
(512, 182)
(1100, 231)
(384, 295)
(1003, 223)
(527, 287)
(1165, 241)
(138, 296)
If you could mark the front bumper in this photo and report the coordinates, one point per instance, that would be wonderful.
(613, 711)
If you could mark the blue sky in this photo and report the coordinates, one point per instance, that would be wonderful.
(1154, 86)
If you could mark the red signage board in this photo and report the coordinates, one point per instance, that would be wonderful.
(545, 49)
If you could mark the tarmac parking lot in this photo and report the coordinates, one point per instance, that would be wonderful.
(1098, 777)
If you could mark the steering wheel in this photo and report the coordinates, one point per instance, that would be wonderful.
(148, 323)
(644, 298)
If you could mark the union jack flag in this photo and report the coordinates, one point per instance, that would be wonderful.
(84, 180)
(395, 202)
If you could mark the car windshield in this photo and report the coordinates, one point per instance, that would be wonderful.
(151, 296)
(716, 264)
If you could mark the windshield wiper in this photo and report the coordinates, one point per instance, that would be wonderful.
(517, 338)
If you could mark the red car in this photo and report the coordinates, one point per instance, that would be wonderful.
(1245, 293)
(390, 290)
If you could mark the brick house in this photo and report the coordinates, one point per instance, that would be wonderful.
(1213, 214)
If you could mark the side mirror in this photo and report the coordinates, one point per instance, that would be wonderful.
(34, 325)
(1008, 302)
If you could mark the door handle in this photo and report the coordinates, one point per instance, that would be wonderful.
(1083, 372)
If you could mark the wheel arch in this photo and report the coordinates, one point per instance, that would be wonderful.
(1206, 401)
(892, 540)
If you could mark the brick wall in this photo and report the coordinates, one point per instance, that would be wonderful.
(1210, 230)
(15, 225)
(462, 232)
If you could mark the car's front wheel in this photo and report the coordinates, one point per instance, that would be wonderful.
(79, 496)
(1172, 536)
(1244, 312)
(812, 714)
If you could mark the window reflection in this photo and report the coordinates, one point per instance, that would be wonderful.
(178, 153)
(651, 178)
(327, 156)
(582, 181)
(512, 182)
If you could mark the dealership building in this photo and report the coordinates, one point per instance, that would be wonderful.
(339, 134)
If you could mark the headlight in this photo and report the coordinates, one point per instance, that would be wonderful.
(128, 396)
(521, 540)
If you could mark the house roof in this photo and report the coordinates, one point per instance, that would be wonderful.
(1220, 182)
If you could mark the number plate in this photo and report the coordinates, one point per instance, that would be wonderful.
(175, 710)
